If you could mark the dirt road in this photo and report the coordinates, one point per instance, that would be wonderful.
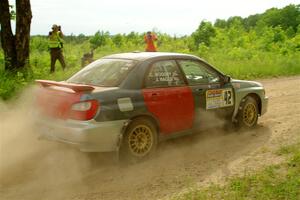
(34, 169)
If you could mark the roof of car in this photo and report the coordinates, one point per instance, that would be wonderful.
(140, 56)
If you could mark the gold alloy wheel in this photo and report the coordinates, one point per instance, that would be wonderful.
(140, 140)
(250, 114)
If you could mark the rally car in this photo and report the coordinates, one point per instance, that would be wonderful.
(129, 102)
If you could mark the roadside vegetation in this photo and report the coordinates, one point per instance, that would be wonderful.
(276, 182)
(261, 45)
(258, 46)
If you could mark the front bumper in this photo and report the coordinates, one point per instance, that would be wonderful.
(88, 136)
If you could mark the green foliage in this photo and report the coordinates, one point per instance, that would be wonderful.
(81, 38)
(135, 38)
(118, 40)
(99, 39)
(11, 83)
(261, 45)
(39, 43)
(203, 34)
(220, 23)
(286, 17)
(282, 17)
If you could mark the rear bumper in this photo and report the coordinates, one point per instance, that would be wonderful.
(88, 136)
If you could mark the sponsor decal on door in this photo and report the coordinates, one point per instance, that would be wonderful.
(219, 98)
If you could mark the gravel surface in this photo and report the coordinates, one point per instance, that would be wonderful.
(36, 169)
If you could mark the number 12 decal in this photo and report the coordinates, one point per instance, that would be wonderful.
(228, 97)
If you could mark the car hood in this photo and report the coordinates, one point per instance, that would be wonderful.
(245, 84)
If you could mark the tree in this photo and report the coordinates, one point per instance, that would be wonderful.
(99, 39)
(204, 33)
(233, 21)
(118, 40)
(134, 38)
(220, 23)
(251, 21)
(286, 17)
(15, 47)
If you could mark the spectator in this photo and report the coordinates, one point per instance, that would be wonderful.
(55, 46)
(149, 40)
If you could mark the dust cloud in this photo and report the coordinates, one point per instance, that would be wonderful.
(16, 131)
(26, 162)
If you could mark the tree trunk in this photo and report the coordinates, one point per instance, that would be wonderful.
(16, 48)
(7, 37)
(23, 10)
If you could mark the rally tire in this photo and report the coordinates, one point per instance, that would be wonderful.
(248, 113)
(139, 141)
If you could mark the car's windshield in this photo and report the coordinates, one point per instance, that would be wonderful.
(104, 72)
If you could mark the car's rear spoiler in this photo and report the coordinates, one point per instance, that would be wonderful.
(74, 87)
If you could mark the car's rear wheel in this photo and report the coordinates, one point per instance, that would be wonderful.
(248, 113)
(139, 141)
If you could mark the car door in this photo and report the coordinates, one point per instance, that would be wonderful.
(168, 97)
(213, 99)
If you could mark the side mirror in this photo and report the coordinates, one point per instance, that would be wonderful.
(227, 79)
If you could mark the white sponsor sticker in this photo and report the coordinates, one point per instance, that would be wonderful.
(219, 98)
(125, 104)
(164, 76)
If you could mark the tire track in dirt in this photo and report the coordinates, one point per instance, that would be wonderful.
(33, 169)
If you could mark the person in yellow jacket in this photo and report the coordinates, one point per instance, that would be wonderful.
(55, 46)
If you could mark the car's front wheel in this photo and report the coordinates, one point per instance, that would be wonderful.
(248, 113)
(139, 140)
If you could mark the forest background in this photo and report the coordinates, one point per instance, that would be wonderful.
(258, 46)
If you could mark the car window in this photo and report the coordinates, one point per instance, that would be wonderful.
(104, 72)
(198, 73)
(164, 74)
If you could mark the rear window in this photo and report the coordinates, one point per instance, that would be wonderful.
(104, 72)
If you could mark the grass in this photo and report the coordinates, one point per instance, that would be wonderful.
(262, 66)
(276, 182)
(238, 66)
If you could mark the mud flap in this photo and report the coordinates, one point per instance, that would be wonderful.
(120, 141)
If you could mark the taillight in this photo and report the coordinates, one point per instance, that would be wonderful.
(84, 110)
